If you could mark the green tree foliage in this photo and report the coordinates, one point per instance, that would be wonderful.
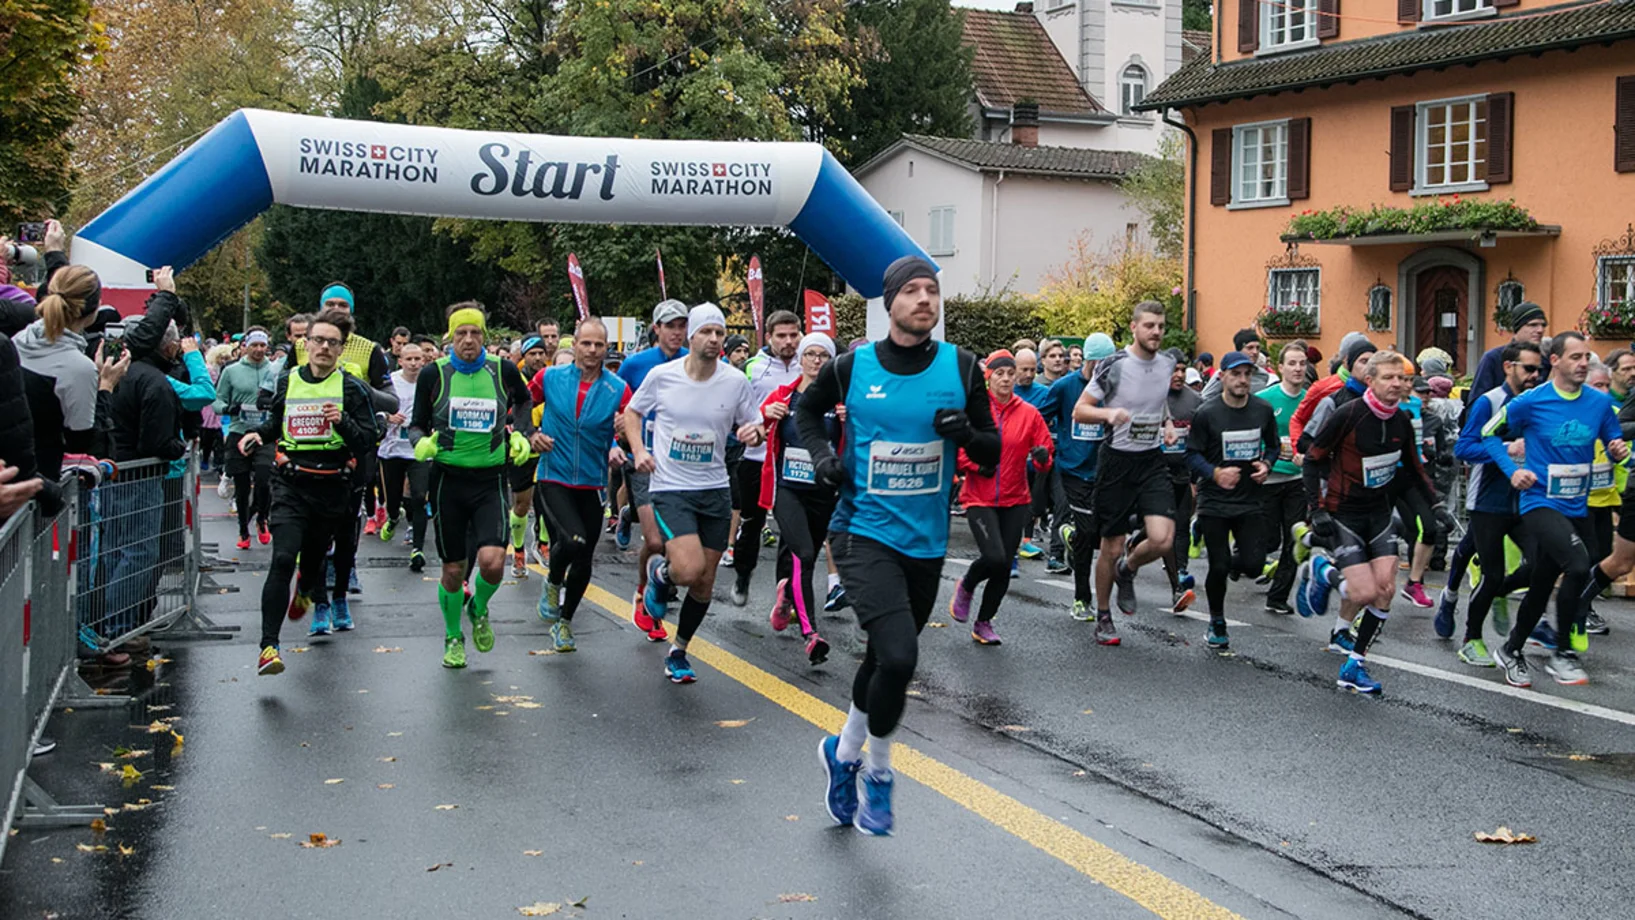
(917, 69)
(1094, 291)
(1197, 14)
(44, 44)
(980, 323)
(1157, 188)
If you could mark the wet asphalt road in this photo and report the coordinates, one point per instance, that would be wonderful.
(1243, 779)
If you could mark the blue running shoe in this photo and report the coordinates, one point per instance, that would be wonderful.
(1186, 581)
(1446, 607)
(550, 609)
(1302, 591)
(353, 586)
(340, 615)
(621, 533)
(874, 813)
(656, 600)
(322, 624)
(1030, 550)
(1342, 642)
(1317, 583)
(841, 799)
(1544, 636)
(837, 599)
(1016, 568)
(677, 668)
(1354, 677)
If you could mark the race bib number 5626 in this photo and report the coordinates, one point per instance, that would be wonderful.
(905, 469)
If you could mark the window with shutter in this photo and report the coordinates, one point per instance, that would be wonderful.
(1402, 148)
(1248, 26)
(1452, 152)
(1261, 162)
(1623, 157)
(1299, 182)
(1220, 166)
(1328, 18)
(1501, 109)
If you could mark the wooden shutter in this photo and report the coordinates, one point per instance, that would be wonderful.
(1408, 11)
(1248, 26)
(1402, 148)
(1220, 166)
(1501, 4)
(1328, 18)
(1500, 107)
(1623, 131)
(1299, 161)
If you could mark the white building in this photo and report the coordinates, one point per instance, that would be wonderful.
(1042, 168)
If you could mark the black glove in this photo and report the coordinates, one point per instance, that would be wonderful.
(954, 425)
(1323, 529)
(986, 472)
(830, 472)
(1040, 457)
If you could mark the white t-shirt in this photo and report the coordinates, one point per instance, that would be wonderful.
(396, 444)
(692, 421)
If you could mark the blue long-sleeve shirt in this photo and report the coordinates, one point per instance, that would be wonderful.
(1490, 371)
(199, 391)
(1076, 443)
(1561, 431)
(1490, 490)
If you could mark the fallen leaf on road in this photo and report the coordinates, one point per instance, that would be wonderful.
(1505, 835)
(132, 755)
(165, 707)
(280, 836)
(737, 782)
(1580, 757)
(512, 700)
(529, 705)
(542, 651)
(1080, 773)
(154, 663)
(733, 723)
(126, 851)
(103, 691)
(110, 812)
(99, 826)
(87, 848)
(300, 648)
(383, 650)
(163, 788)
(447, 807)
(138, 805)
(1088, 712)
(503, 712)
(394, 734)
(484, 708)
(533, 852)
(792, 898)
(386, 786)
(57, 860)
(176, 739)
(1014, 728)
(580, 903)
(108, 767)
(319, 842)
(333, 782)
(130, 773)
(388, 760)
(158, 727)
(1514, 731)
(914, 693)
(937, 624)
(438, 866)
(791, 817)
(540, 909)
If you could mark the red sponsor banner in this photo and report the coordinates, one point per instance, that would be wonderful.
(757, 295)
(820, 316)
(576, 277)
(664, 294)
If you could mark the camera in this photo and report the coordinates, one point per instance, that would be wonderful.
(18, 254)
(113, 341)
(31, 232)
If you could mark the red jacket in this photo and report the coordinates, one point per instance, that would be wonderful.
(1021, 428)
(1315, 394)
(769, 469)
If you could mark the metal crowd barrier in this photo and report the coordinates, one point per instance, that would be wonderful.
(120, 560)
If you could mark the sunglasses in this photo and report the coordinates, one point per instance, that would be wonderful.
(322, 341)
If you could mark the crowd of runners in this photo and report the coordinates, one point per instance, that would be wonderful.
(1312, 484)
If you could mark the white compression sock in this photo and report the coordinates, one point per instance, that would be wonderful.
(834, 579)
(1341, 623)
(877, 759)
(852, 735)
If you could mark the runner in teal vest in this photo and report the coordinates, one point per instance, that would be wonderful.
(910, 403)
(461, 406)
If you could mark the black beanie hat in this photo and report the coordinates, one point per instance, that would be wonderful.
(732, 342)
(903, 271)
(1525, 312)
(1357, 350)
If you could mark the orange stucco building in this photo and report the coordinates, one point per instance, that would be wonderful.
(1309, 105)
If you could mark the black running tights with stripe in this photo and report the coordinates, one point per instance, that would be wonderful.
(803, 521)
(576, 526)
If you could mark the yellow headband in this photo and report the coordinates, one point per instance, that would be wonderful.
(470, 316)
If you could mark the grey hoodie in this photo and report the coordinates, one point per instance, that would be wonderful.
(64, 361)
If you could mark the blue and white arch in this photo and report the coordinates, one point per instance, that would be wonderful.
(256, 158)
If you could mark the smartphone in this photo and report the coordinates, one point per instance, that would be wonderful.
(149, 275)
(113, 341)
(31, 232)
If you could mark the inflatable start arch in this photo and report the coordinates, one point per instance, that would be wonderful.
(256, 158)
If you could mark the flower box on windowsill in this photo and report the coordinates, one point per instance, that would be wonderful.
(1287, 322)
(1614, 323)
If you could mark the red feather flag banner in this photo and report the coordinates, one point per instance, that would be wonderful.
(757, 295)
(664, 294)
(576, 277)
(820, 314)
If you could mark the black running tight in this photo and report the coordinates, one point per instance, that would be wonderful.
(1563, 550)
(1250, 558)
(803, 521)
(998, 532)
(396, 471)
(576, 526)
(893, 595)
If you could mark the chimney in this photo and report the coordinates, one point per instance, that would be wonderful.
(1025, 124)
(1026, 6)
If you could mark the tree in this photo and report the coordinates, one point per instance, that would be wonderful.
(1157, 188)
(917, 74)
(1197, 14)
(44, 45)
(1097, 290)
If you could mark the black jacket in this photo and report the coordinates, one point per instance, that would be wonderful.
(145, 412)
(17, 428)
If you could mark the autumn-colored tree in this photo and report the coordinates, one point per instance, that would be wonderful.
(44, 44)
(1095, 291)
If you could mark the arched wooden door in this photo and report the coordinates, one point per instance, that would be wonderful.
(1442, 311)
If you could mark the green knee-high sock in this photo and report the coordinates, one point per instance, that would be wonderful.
(519, 529)
(482, 590)
(450, 603)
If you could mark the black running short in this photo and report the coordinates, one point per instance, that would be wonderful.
(1364, 538)
(521, 477)
(1131, 484)
(472, 511)
(705, 512)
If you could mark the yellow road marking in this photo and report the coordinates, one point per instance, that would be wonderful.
(1152, 890)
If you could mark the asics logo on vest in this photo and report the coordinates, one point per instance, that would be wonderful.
(523, 175)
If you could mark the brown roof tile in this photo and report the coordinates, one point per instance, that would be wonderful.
(1566, 26)
(1065, 162)
(1195, 43)
(1017, 62)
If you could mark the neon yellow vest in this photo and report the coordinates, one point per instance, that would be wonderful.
(469, 416)
(305, 429)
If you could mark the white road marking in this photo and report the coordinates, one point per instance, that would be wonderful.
(1189, 614)
(1532, 696)
(1055, 583)
(964, 562)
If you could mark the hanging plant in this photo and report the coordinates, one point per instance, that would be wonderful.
(1608, 321)
(1379, 308)
(1292, 321)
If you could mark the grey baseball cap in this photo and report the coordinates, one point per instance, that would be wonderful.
(668, 310)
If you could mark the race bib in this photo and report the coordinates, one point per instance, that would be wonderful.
(473, 414)
(647, 433)
(1380, 469)
(1146, 431)
(1240, 446)
(692, 446)
(1601, 476)
(304, 420)
(254, 418)
(1180, 445)
(1083, 432)
(1568, 480)
(905, 469)
(797, 466)
(1285, 448)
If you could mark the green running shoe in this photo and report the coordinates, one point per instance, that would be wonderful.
(387, 529)
(482, 635)
(1501, 615)
(1578, 639)
(1474, 653)
(1082, 612)
(454, 651)
(1298, 533)
(562, 635)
